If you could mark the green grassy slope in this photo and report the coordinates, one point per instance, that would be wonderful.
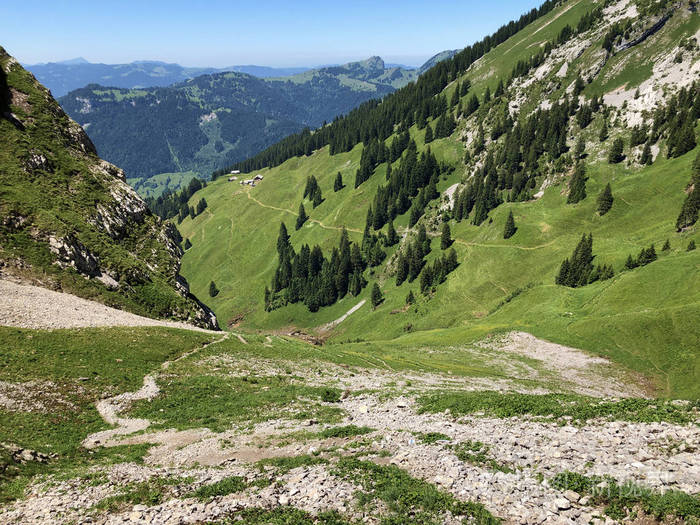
(645, 319)
(67, 219)
(68, 371)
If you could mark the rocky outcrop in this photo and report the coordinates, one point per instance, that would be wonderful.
(645, 34)
(66, 214)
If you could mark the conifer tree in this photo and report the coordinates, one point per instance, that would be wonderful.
(615, 155)
(691, 246)
(338, 184)
(283, 245)
(605, 200)
(311, 187)
(576, 270)
(318, 198)
(509, 229)
(577, 187)
(580, 148)
(401, 270)
(356, 283)
(691, 206)
(452, 262)
(683, 140)
(377, 296)
(455, 96)
(392, 237)
(666, 246)
(301, 217)
(426, 280)
(428, 134)
(647, 158)
(631, 263)
(445, 237)
(499, 89)
(410, 298)
(422, 241)
(646, 256)
(604, 131)
(472, 105)
(213, 290)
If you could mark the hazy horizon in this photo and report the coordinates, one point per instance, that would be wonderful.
(221, 34)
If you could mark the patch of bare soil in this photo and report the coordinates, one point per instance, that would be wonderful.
(29, 306)
(592, 374)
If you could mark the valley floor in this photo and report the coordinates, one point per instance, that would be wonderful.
(267, 429)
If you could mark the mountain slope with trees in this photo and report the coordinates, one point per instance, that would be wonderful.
(518, 121)
(213, 120)
(69, 221)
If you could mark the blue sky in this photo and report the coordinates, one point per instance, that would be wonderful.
(222, 33)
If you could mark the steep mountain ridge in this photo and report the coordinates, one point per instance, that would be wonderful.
(69, 221)
(212, 120)
(577, 73)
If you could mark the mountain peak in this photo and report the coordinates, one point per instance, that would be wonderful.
(373, 62)
(73, 61)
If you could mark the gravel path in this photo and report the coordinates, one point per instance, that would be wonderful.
(343, 317)
(28, 306)
(110, 408)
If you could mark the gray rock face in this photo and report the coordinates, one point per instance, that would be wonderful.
(70, 252)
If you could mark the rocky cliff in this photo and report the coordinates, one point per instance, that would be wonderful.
(69, 221)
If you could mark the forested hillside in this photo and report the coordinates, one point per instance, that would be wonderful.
(210, 121)
(541, 179)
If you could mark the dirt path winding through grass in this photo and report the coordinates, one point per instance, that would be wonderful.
(315, 221)
(110, 408)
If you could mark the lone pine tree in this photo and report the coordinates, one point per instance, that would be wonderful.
(509, 229)
(410, 299)
(605, 200)
(577, 190)
(377, 296)
(445, 237)
(615, 156)
(301, 217)
(318, 198)
(689, 211)
(647, 158)
(213, 290)
(338, 183)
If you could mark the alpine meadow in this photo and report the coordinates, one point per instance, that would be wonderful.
(466, 291)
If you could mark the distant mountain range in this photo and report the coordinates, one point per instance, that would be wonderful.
(213, 120)
(67, 75)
